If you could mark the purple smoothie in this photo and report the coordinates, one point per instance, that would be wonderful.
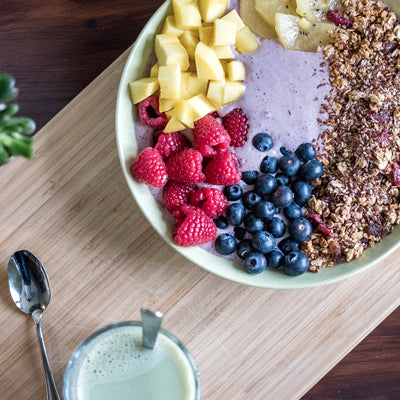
(283, 96)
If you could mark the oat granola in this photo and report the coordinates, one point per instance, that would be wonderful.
(356, 201)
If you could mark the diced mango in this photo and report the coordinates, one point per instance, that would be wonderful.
(187, 14)
(232, 91)
(215, 93)
(201, 106)
(224, 32)
(170, 28)
(212, 9)
(154, 71)
(206, 34)
(165, 104)
(235, 71)
(208, 65)
(233, 16)
(246, 42)
(169, 51)
(143, 88)
(196, 85)
(169, 77)
(223, 52)
(183, 112)
(185, 76)
(173, 125)
(189, 41)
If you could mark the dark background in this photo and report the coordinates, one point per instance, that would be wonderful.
(55, 49)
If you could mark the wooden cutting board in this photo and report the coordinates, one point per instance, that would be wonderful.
(71, 206)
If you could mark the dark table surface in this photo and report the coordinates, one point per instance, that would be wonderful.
(55, 49)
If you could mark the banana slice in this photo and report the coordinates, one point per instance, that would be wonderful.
(315, 10)
(299, 34)
(268, 8)
(254, 21)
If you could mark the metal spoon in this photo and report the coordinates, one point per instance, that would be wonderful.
(30, 290)
(151, 322)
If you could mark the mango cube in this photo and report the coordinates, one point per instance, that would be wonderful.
(215, 93)
(232, 91)
(187, 14)
(183, 112)
(235, 71)
(143, 88)
(206, 34)
(189, 41)
(170, 28)
(169, 77)
(233, 16)
(165, 104)
(185, 76)
(224, 32)
(173, 125)
(169, 51)
(196, 85)
(246, 41)
(223, 52)
(208, 65)
(201, 106)
(212, 9)
(154, 71)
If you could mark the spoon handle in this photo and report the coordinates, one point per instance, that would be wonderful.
(51, 388)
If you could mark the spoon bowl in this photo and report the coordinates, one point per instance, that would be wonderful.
(30, 290)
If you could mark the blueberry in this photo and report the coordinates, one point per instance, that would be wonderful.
(243, 248)
(235, 213)
(269, 165)
(263, 241)
(288, 245)
(293, 211)
(265, 210)
(274, 259)
(311, 170)
(263, 141)
(282, 196)
(306, 152)
(289, 164)
(302, 192)
(276, 227)
(265, 184)
(300, 229)
(233, 192)
(250, 177)
(295, 263)
(225, 244)
(284, 151)
(252, 223)
(251, 199)
(277, 210)
(255, 262)
(239, 232)
(282, 179)
(221, 222)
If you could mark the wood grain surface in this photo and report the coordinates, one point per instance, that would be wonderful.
(71, 206)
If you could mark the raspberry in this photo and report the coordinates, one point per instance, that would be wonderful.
(186, 166)
(176, 194)
(396, 174)
(193, 226)
(210, 136)
(236, 124)
(150, 168)
(212, 201)
(169, 144)
(338, 19)
(150, 115)
(223, 170)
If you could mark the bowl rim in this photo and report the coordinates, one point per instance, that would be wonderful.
(269, 279)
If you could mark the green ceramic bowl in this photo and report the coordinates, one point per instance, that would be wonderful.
(127, 149)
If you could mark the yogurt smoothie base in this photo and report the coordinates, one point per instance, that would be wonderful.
(283, 96)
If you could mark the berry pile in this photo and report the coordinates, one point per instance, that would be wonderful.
(177, 165)
(281, 187)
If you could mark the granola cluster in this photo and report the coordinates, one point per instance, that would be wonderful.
(356, 201)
